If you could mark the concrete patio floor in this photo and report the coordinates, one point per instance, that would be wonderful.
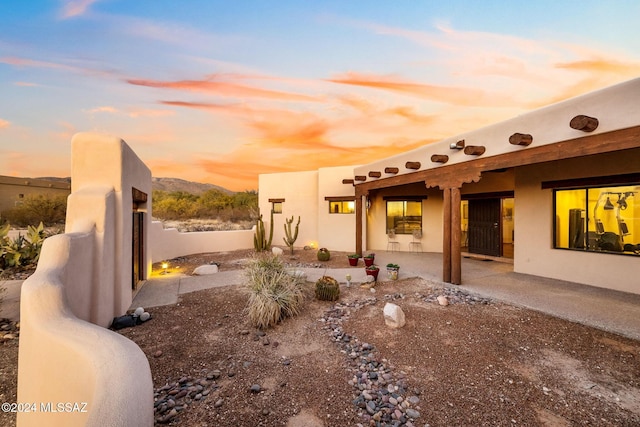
(608, 310)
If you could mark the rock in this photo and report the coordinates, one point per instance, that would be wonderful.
(442, 300)
(277, 251)
(138, 311)
(157, 353)
(145, 316)
(393, 316)
(218, 403)
(255, 388)
(412, 413)
(207, 269)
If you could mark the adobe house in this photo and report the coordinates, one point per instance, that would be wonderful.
(556, 191)
(13, 190)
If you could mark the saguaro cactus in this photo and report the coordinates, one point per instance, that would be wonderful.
(260, 242)
(291, 237)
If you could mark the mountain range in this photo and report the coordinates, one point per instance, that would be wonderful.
(167, 184)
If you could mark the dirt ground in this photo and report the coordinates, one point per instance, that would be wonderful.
(474, 362)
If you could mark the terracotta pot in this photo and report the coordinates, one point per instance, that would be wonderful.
(353, 261)
(368, 261)
(373, 273)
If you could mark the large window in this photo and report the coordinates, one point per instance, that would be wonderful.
(404, 216)
(601, 219)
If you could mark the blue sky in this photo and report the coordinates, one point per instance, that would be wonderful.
(220, 91)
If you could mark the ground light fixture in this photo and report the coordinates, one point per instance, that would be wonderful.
(165, 266)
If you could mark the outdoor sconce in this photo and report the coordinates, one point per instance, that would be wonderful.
(368, 203)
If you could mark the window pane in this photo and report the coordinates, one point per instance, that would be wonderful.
(277, 207)
(404, 216)
(342, 206)
(603, 219)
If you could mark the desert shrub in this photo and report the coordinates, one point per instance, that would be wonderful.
(35, 208)
(274, 293)
(212, 204)
(21, 251)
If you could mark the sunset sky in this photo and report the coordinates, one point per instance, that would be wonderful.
(221, 91)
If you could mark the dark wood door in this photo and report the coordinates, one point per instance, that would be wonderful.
(485, 227)
(137, 269)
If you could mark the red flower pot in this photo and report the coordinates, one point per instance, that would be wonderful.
(353, 261)
(368, 261)
(373, 273)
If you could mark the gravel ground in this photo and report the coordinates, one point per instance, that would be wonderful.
(472, 362)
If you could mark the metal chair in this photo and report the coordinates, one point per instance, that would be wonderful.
(392, 243)
(416, 245)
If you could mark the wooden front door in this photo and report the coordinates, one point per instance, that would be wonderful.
(485, 234)
(138, 249)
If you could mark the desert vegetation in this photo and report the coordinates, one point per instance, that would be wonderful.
(50, 210)
(21, 252)
(209, 211)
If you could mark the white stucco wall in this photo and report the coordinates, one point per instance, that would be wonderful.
(83, 280)
(335, 231)
(300, 191)
(534, 216)
(169, 243)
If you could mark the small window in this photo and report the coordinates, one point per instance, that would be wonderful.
(404, 216)
(276, 207)
(342, 207)
(598, 219)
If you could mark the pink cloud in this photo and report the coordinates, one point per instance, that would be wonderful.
(4, 124)
(73, 8)
(215, 85)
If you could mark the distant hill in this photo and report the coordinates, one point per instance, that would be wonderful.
(167, 184)
(176, 184)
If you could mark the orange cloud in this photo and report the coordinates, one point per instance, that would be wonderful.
(222, 88)
(4, 124)
(447, 94)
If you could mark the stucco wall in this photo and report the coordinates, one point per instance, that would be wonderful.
(335, 231)
(169, 243)
(534, 216)
(82, 281)
(11, 188)
(300, 191)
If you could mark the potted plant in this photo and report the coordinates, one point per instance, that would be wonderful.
(369, 258)
(324, 254)
(372, 270)
(392, 271)
(353, 259)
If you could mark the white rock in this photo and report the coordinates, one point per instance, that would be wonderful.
(145, 316)
(203, 270)
(442, 300)
(393, 315)
(138, 311)
(276, 251)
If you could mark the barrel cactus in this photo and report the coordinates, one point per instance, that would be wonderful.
(327, 289)
(324, 254)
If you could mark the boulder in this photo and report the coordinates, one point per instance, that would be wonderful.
(204, 270)
(276, 251)
(393, 316)
(442, 300)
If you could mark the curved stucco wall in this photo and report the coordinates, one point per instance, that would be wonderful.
(65, 359)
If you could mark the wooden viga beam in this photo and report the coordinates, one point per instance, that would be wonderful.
(360, 177)
(439, 158)
(412, 165)
(584, 123)
(474, 150)
(375, 174)
(347, 181)
(391, 170)
(523, 139)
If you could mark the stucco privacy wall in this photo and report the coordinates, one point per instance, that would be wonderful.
(84, 276)
(534, 252)
(165, 244)
(300, 191)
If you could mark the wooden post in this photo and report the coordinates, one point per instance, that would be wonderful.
(391, 170)
(358, 222)
(520, 139)
(375, 174)
(446, 236)
(584, 123)
(439, 158)
(456, 251)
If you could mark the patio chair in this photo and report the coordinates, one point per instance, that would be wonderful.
(392, 243)
(416, 245)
